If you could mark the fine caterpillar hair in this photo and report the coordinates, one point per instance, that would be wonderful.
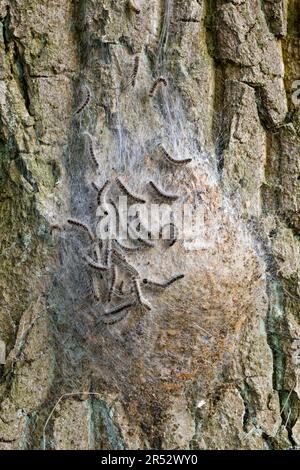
(101, 196)
(163, 285)
(85, 227)
(113, 282)
(132, 7)
(136, 64)
(124, 188)
(93, 264)
(158, 82)
(91, 149)
(119, 308)
(85, 101)
(163, 194)
(139, 295)
(172, 160)
(173, 231)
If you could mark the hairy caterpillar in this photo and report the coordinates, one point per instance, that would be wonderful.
(82, 225)
(101, 196)
(163, 285)
(139, 295)
(85, 101)
(135, 70)
(132, 6)
(120, 259)
(128, 193)
(108, 254)
(128, 249)
(173, 161)
(172, 231)
(94, 264)
(162, 193)
(136, 237)
(119, 308)
(159, 81)
(91, 149)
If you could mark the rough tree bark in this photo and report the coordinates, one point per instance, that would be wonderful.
(213, 365)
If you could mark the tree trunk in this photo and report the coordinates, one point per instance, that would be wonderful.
(210, 361)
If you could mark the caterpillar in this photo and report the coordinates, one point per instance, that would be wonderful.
(162, 193)
(159, 81)
(172, 231)
(128, 249)
(132, 6)
(163, 285)
(139, 295)
(85, 101)
(173, 161)
(94, 264)
(135, 70)
(95, 288)
(82, 225)
(101, 196)
(128, 193)
(120, 259)
(108, 254)
(136, 237)
(119, 308)
(91, 149)
(113, 282)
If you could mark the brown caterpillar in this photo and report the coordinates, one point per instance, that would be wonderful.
(91, 149)
(101, 192)
(163, 285)
(135, 70)
(85, 101)
(94, 264)
(128, 193)
(159, 81)
(119, 308)
(173, 233)
(132, 6)
(173, 161)
(82, 225)
(139, 295)
(166, 196)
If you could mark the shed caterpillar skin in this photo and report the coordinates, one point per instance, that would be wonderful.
(91, 149)
(163, 194)
(173, 161)
(85, 101)
(158, 82)
(163, 285)
(132, 7)
(93, 264)
(173, 233)
(119, 308)
(82, 225)
(101, 196)
(135, 70)
(139, 295)
(134, 197)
